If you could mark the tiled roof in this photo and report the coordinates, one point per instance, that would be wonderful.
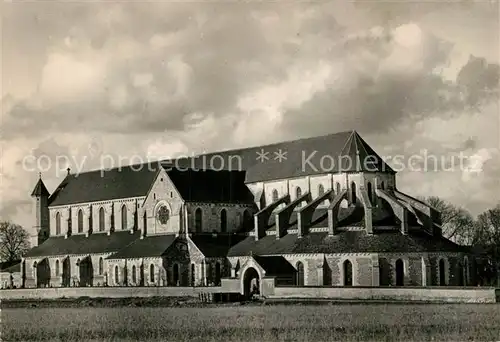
(13, 269)
(129, 181)
(274, 265)
(40, 189)
(211, 186)
(7, 264)
(150, 246)
(343, 242)
(341, 147)
(135, 180)
(79, 244)
(215, 245)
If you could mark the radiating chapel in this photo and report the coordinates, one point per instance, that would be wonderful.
(321, 211)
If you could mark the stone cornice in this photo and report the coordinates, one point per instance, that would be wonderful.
(96, 203)
(220, 204)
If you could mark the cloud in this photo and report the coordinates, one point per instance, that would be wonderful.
(125, 80)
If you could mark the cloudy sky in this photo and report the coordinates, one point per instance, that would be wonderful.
(128, 80)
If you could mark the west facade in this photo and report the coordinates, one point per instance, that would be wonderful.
(322, 211)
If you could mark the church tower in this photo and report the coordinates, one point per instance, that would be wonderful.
(40, 231)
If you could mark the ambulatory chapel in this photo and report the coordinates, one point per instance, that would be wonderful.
(321, 211)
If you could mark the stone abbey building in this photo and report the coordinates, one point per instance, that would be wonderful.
(321, 211)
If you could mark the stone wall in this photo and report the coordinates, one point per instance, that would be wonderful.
(211, 216)
(441, 294)
(106, 292)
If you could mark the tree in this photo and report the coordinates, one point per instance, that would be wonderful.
(14, 241)
(457, 223)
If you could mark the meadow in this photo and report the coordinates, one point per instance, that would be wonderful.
(331, 322)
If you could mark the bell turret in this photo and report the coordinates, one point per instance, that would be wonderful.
(40, 230)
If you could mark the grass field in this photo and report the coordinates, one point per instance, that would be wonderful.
(340, 322)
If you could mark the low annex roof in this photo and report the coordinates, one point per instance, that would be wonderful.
(215, 245)
(274, 265)
(79, 244)
(149, 246)
(343, 242)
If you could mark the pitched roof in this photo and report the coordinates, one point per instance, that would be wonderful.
(210, 185)
(101, 185)
(79, 244)
(274, 265)
(215, 245)
(40, 189)
(8, 264)
(343, 242)
(12, 269)
(150, 246)
(302, 157)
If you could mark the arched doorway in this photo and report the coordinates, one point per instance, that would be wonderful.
(66, 273)
(400, 273)
(176, 274)
(43, 273)
(300, 274)
(442, 273)
(251, 283)
(347, 273)
(86, 272)
(217, 274)
(460, 274)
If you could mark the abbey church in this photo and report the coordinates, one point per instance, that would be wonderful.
(321, 211)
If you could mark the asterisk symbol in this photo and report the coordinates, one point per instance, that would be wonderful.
(280, 155)
(262, 155)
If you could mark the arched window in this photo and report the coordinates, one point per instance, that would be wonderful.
(382, 186)
(145, 222)
(134, 274)
(298, 193)
(300, 274)
(275, 195)
(223, 221)
(124, 217)
(338, 188)
(101, 266)
(58, 223)
(152, 273)
(57, 267)
(176, 274)
(353, 193)
(247, 219)
(198, 220)
(117, 275)
(400, 273)
(217, 273)
(101, 219)
(80, 221)
(442, 272)
(347, 273)
(370, 193)
(193, 275)
(321, 190)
